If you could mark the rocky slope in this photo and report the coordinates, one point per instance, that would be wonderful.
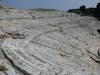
(48, 43)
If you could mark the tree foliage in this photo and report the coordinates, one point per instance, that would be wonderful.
(88, 11)
(82, 8)
(98, 5)
(97, 11)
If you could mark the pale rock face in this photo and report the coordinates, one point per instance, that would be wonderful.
(49, 43)
(8, 69)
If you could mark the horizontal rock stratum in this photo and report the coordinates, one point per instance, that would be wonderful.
(48, 43)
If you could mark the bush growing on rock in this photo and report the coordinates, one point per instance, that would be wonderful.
(2, 68)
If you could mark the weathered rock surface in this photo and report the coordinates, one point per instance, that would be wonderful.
(49, 43)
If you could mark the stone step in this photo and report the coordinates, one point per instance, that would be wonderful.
(80, 34)
(58, 57)
(39, 15)
(46, 41)
(66, 25)
(61, 37)
(45, 28)
(9, 70)
(14, 15)
(20, 63)
(21, 58)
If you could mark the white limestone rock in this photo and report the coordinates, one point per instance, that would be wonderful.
(55, 43)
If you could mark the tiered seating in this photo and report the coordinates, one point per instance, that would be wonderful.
(52, 45)
(52, 14)
(55, 44)
(80, 34)
(70, 40)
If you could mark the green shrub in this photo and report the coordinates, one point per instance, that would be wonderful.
(2, 68)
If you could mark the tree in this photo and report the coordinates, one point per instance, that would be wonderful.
(98, 5)
(97, 11)
(82, 8)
